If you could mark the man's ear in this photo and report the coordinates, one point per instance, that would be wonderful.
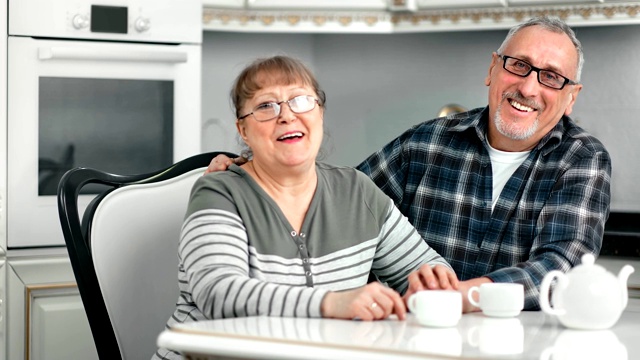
(494, 62)
(573, 95)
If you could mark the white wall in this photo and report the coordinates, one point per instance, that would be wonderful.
(609, 104)
(379, 85)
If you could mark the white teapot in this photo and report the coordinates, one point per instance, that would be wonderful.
(588, 297)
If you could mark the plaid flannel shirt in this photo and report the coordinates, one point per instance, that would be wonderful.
(550, 212)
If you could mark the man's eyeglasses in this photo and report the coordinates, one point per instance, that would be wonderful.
(545, 77)
(271, 110)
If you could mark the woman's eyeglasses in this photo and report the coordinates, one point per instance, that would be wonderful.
(271, 110)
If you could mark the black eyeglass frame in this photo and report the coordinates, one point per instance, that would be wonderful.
(567, 81)
(280, 108)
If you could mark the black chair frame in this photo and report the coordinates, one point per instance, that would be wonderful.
(77, 236)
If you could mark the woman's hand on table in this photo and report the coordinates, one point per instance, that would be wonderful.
(373, 301)
(438, 277)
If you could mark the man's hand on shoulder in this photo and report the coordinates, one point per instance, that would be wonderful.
(222, 163)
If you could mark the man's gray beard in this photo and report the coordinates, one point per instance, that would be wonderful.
(513, 131)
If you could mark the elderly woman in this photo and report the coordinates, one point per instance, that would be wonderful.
(284, 235)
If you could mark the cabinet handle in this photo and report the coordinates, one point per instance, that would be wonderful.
(66, 53)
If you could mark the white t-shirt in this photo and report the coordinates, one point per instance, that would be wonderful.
(503, 164)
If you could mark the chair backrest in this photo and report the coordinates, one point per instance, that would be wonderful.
(124, 253)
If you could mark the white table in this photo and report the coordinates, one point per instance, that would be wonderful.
(531, 335)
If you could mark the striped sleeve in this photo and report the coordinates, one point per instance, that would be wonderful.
(215, 253)
(401, 250)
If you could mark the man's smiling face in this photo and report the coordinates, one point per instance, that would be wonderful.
(521, 110)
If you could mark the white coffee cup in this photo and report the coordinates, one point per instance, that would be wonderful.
(436, 308)
(498, 299)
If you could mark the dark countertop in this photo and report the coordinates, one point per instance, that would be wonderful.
(622, 235)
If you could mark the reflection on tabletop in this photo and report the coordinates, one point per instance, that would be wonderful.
(497, 336)
(531, 335)
(585, 345)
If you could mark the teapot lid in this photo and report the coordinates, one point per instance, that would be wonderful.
(588, 265)
(588, 259)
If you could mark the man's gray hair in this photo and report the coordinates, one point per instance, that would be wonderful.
(553, 24)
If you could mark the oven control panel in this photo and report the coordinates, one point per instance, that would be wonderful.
(156, 21)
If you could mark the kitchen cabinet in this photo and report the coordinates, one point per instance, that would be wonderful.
(44, 313)
(3, 311)
(318, 4)
(444, 4)
(41, 313)
(393, 16)
(297, 4)
(232, 4)
(3, 182)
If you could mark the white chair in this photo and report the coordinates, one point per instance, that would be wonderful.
(124, 253)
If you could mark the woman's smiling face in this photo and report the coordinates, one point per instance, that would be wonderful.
(290, 139)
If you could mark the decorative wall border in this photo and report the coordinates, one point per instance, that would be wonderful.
(420, 21)
(297, 21)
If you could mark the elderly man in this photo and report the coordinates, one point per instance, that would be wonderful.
(508, 192)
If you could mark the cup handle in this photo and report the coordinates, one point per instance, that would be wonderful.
(411, 303)
(470, 296)
(545, 289)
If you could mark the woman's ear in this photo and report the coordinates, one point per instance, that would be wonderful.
(242, 130)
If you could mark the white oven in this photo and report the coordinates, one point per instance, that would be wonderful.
(109, 84)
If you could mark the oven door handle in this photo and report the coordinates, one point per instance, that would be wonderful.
(68, 53)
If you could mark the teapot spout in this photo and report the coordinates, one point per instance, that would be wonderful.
(623, 276)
